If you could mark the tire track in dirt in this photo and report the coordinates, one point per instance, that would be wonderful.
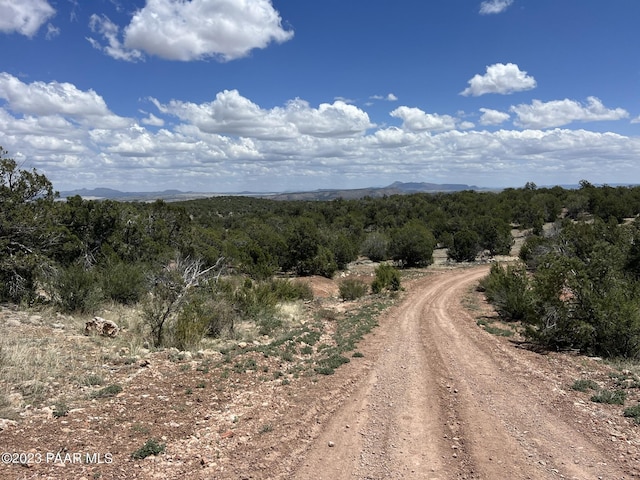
(446, 400)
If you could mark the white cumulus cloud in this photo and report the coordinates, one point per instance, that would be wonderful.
(562, 112)
(390, 97)
(493, 117)
(500, 78)
(111, 34)
(232, 114)
(153, 121)
(54, 98)
(24, 16)
(234, 144)
(194, 30)
(489, 7)
(417, 120)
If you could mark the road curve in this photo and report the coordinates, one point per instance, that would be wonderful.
(446, 400)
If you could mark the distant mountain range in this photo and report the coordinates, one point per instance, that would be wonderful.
(396, 188)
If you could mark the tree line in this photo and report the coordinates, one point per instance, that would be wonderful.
(78, 253)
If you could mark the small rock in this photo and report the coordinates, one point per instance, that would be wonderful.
(5, 423)
(59, 326)
(242, 345)
(100, 326)
(331, 444)
(208, 353)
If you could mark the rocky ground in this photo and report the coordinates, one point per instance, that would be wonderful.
(429, 393)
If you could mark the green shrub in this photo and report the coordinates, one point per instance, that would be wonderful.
(616, 397)
(584, 385)
(266, 428)
(110, 391)
(287, 290)
(465, 246)
(61, 409)
(122, 282)
(508, 290)
(387, 277)
(192, 324)
(324, 370)
(633, 412)
(334, 361)
(76, 289)
(151, 447)
(311, 337)
(412, 245)
(352, 289)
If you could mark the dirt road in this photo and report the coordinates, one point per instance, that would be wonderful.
(432, 396)
(444, 399)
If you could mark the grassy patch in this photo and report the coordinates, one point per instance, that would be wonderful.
(109, 391)
(612, 397)
(488, 326)
(633, 412)
(248, 364)
(352, 289)
(583, 385)
(327, 365)
(139, 429)
(625, 379)
(92, 380)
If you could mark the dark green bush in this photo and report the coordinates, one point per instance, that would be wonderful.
(584, 385)
(507, 288)
(412, 245)
(151, 447)
(76, 289)
(122, 282)
(616, 397)
(633, 412)
(387, 277)
(466, 245)
(194, 321)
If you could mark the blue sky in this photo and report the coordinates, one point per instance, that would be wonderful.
(233, 95)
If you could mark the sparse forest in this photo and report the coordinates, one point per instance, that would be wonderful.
(577, 286)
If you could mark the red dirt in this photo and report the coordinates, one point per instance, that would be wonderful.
(434, 397)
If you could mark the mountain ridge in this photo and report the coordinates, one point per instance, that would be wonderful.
(396, 188)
